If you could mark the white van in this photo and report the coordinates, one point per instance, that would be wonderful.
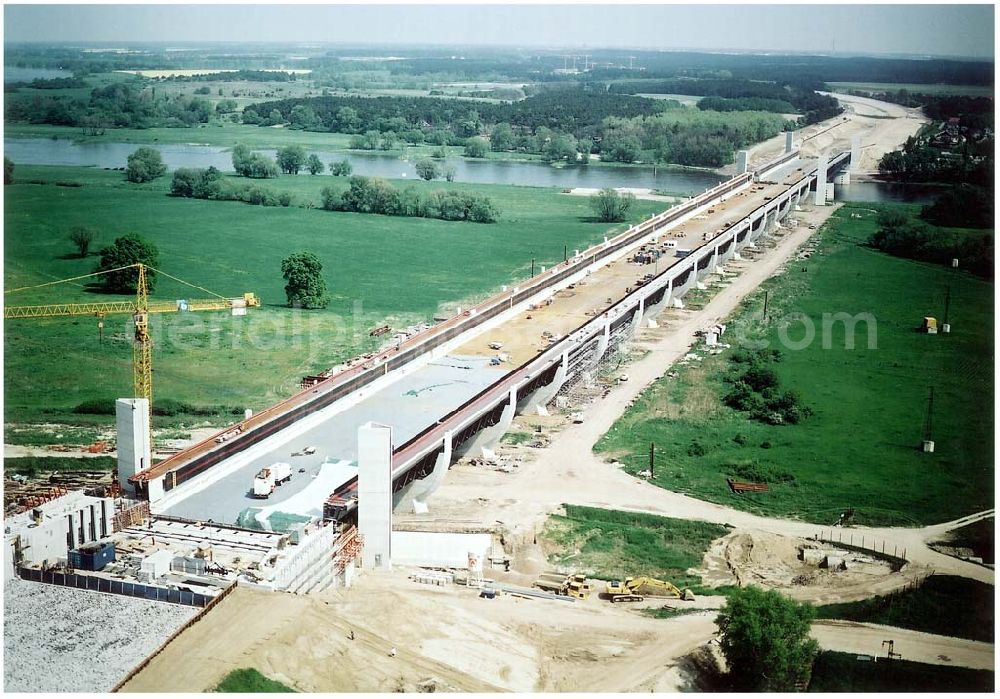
(669, 244)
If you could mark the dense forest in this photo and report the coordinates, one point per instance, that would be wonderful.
(727, 95)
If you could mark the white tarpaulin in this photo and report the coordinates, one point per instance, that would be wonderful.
(439, 549)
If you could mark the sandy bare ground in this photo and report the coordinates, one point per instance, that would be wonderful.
(882, 126)
(445, 634)
(919, 647)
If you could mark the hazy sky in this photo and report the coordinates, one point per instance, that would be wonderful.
(957, 30)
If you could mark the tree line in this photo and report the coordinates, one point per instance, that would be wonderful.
(374, 195)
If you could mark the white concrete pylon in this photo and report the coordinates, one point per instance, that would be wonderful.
(375, 495)
(821, 179)
(789, 141)
(132, 423)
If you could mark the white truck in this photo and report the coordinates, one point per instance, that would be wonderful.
(267, 479)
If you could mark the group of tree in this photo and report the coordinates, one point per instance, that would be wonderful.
(920, 162)
(208, 183)
(374, 195)
(82, 237)
(612, 206)
(902, 235)
(8, 170)
(118, 105)
(248, 163)
(756, 389)
(144, 165)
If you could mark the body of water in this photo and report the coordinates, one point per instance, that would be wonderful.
(13, 74)
(47, 151)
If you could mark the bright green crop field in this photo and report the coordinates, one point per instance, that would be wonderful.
(377, 269)
(860, 448)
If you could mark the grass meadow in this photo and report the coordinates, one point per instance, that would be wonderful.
(377, 269)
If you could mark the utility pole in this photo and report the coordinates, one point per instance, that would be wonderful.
(565, 253)
(652, 453)
(532, 266)
(945, 325)
(928, 440)
(765, 305)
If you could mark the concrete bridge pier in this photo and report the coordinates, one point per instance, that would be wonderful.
(544, 394)
(414, 496)
(637, 315)
(602, 345)
(488, 437)
(653, 310)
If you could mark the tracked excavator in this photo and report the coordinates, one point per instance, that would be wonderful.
(637, 589)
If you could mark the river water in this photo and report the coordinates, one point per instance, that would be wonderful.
(47, 151)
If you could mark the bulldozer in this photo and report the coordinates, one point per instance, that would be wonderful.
(568, 585)
(637, 589)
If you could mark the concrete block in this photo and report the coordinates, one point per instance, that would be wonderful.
(813, 557)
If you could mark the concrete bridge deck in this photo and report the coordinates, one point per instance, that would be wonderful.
(423, 400)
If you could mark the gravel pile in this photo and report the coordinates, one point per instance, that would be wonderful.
(60, 639)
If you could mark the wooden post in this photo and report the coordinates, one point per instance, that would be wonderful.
(652, 447)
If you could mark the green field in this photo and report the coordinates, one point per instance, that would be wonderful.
(860, 447)
(611, 544)
(249, 681)
(946, 605)
(926, 89)
(842, 672)
(377, 268)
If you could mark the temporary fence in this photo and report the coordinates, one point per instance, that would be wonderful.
(863, 543)
(115, 587)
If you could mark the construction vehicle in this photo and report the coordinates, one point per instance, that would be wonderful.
(263, 483)
(140, 308)
(269, 478)
(637, 589)
(562, 584)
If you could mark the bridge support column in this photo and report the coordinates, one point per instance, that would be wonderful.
(487, 438)
(637, 318)
(855, 156)
(541, 396)
(789, 141)
(821, 180)
(375, 495)
(602, 344)
(416, 493)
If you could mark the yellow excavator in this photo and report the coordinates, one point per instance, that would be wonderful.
(637, 589)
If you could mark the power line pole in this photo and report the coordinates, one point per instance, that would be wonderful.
(928, 437)
(652, 455)
(945, 325)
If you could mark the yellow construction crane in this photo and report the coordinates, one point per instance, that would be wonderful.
(142, 357)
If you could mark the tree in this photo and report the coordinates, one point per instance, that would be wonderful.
(612, 206)
(82, 237)
(144, 165)
(621, 149)
(765, 640)
(304, 288)
(427, 169)
(314, 164)
(502, 137)
(341, 169)
(476, 147)
(449, 173)
(291, 159)
(8, 170)
(127, 250)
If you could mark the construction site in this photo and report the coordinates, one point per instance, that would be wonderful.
(377, 532)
